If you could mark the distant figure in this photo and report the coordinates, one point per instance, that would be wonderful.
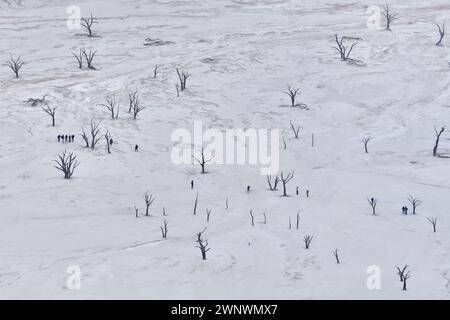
(296, 190)
(59, 138)
(111, 141)
(192, 184)
(307, 193)
(248, 188)
(73, 138)
(65, 138)
(403, 210)
(70, 138)
(406, 211)
(62, 138)
(136, 148)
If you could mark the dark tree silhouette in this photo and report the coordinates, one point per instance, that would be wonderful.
(89, 56)
(79, 58)
(441, 30)
(373, 204)
(336, 256)
(164, 229)
(202, 244)
(15, 64)
(67, 163)
(182, 77)
(389, 16)
(87, 24)
(436, 143)
(285, 180)
(415, 202)
(295, 130)
(111, 105)
(148, 198)
(307, 240)
(433, 222)
(51, 112)
(365, 141)
(202, 161)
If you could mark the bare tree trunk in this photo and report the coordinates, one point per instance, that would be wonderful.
(438, 136)
(79, 58)
(51, 112)
(87, 23)
(182, 77)
(390, 17)
(296, 130)
(148, 198)
(441, 30)
(366, 140)
(373, 204)
(336, 256)
(285, 180)
(15, 65)
(67, 164)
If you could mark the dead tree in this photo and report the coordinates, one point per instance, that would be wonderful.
(148, 198)
(307, 240)
(136, 107)
(208, 214)
(79, 58)
(67, 164)
(284, 144)
(36, 101)
(85, 138)
(365, 141)
(345, 51)
(87, 24)
(252, 217)
(202, 244)
(108, 141)
(15, 65)
(195, 204)
(406, 276)
(436, 143)
(202, 161)
(112, 106)
(132, 98)
(136, 211)
(373, 204)
(401, 272)
(441, 30)
(290, 223)
(389, 16)
(415, 202)
(182, 77)
(433, 222)
(164, 229)
(296, 130)
(89, 56)
(226, 204)
(95, 135)
(336, 256)
(273, 186)
(292, 93)
(265, 218)
(155, 71)
(51, 112)
(297, 224)
(285, 180)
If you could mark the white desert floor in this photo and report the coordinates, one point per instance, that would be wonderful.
(241, 55)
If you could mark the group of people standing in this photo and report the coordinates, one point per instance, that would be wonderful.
(66, 138)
